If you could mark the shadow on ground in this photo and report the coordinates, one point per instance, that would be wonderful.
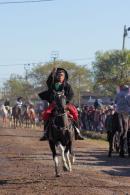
(116, 165)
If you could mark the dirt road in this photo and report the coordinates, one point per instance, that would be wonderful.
(26, 167)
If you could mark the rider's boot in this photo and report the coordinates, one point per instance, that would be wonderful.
(78, 135)
(45, 132)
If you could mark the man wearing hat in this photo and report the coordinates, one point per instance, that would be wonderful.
(19, 102)
(57, 81)
(7, 104)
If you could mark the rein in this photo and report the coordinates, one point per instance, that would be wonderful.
(60, 114)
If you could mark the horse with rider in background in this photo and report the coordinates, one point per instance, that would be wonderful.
(121, 120)
(28, 115)
(112, 128)
(4, 114)
(17, 113)
(39, 109)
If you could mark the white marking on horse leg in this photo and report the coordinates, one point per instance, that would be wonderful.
(72, 158)
(56, 161)
(65, 166)
(68, 161)
(56, 165)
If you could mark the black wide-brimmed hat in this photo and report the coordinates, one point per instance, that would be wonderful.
(19, 98)
(60, 70)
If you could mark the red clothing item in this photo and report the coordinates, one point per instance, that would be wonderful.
(47, 112)
(70, 107)
(72, 110)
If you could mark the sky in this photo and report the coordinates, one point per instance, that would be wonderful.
(72, 29)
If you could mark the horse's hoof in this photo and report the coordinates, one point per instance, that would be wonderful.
(65, 168)
(122, 156)
(109, 154)
(57, 175)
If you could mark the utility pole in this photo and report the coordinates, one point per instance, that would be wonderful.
(79, 100)
(54, 56)
(125, 33)
(27, 89)
(26, 68)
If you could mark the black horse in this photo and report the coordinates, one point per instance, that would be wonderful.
(113, 135)
(61, 134)
(117, 141)
(17, 116)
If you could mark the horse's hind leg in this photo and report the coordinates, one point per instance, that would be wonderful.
(55, 158)
(72, 155)
(122, 152)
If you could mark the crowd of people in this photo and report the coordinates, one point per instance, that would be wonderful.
(92, 118)
(97, 117)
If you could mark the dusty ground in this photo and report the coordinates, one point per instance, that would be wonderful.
(26, 167)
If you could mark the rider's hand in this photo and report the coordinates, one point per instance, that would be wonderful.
(53, 70)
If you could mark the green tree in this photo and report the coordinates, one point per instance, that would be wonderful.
(111, 69)
(18, 86)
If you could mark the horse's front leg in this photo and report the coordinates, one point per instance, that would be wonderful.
(67, 155)
(4, 121)
(65, 165)
(14, 122)
(111, 137)
(55, 158)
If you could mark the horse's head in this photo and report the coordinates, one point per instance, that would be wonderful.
(59, 113)
(60, 100)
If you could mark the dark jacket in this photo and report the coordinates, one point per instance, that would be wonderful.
(122, 101)
(7, 103)
(49, 94)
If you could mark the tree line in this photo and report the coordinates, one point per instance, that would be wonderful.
(109, 70)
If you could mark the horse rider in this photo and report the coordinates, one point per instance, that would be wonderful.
(7, 104)
(57, 81)
(19, 102)
(122, 101)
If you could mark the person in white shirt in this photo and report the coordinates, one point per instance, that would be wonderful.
(19, 102)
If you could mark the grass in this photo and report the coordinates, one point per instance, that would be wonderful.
(95, 135)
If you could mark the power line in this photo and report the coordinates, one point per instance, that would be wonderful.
(4, 65)
(18, 2)
(43, 62)
(23, 64)
(81, 59)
